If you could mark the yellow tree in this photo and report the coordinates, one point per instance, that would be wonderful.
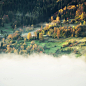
(77, 14)
(58, 33)
(41, 36)
(84, 22)
(82, 16)
(35, 34)
(10, 36)
(65, 8)
(43, 31)
(80, 23)
(51, 18)
(29, 36)
(72, 35)
(49, 33)
(55, 29)
(64, 21)
(3, 40)
(61, 11)
(57, 18)
(25, 40)
(47, 27)
(8, 47)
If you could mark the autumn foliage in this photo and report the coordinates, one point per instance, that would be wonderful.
(15, 35)
(41, 36)
(29, 36)
(58, 33)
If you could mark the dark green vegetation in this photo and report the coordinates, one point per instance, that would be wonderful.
(27, 12)
(32, 11)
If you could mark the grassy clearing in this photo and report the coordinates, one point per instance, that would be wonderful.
(57, 44)
(7, 28)
(56, 47)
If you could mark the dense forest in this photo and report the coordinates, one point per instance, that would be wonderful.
(27, 12)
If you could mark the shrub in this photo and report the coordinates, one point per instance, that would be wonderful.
(10, 36)
(32, 42)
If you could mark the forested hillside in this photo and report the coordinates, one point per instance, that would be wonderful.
(65, 20)
(33, 11)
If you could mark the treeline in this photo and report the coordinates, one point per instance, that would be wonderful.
(38, 10)
(63, 32)
(41, 9)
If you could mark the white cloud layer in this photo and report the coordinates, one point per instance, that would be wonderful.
(42, 70)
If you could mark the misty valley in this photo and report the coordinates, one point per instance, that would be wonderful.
(43, 43)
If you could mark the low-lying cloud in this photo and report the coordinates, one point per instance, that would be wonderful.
(42, 70)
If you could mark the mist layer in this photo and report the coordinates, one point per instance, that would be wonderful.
(42, 70)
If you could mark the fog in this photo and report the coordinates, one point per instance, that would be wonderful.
(37, 27)
(32, 32)
(42, 70)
